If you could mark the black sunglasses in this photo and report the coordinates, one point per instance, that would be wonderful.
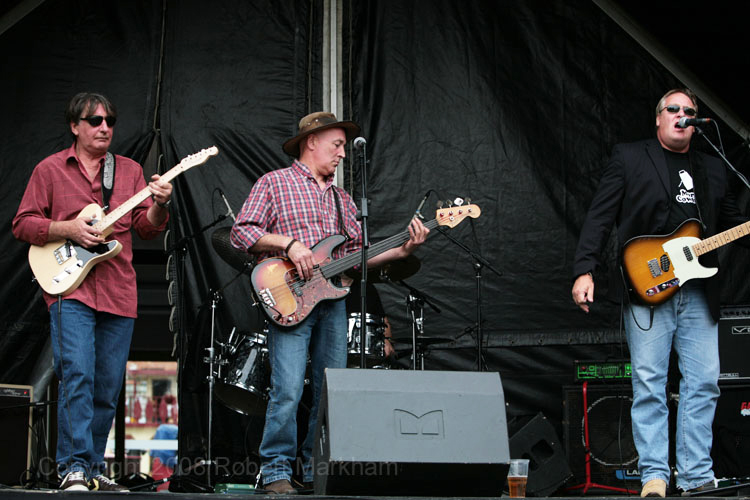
(674, 108)
(96, 120)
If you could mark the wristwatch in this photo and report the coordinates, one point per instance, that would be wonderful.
(165, 205)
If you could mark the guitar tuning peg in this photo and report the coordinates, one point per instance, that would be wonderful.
(440, 204)
(448, 203)
(468, 201)
(458, 202)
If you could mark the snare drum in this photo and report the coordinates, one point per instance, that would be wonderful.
(247, 383)
(374, 335)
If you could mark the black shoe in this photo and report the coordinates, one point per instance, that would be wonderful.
(711, 485)
(74, 481)
(103, 483)
(280, 487)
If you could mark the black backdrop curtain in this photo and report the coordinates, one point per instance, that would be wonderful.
(513, 104)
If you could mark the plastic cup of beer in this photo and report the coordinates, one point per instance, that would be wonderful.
(518, 474)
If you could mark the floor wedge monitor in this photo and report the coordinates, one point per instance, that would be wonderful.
(419, 433)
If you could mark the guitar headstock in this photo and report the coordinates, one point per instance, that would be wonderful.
(452, 216)
(198, 158)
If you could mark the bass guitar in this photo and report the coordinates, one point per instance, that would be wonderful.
(60, 266)
(287, 298)
(656, 266)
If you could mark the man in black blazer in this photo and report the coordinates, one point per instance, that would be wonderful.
(650, 188)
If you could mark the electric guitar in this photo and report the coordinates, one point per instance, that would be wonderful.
(60, 266)
(656, 266)
(287, 298)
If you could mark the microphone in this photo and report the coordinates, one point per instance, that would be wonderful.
(359, 143)
(229, 207)
(686, 122)
(418, 212)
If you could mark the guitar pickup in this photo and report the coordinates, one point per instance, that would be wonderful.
(64, 252)
(267, 297)
(653, 266)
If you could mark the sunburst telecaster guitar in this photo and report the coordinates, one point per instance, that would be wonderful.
(656, 266)
(60, 266)
(288, 299)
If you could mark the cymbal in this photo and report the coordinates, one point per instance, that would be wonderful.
(236, 258)
(421, 340)
(395, 270)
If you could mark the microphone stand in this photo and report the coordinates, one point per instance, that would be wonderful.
(180, 247)
(364, 214)
(479, 263)
(721, 155)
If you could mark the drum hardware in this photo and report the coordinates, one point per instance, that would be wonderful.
(415, 302)
(374, 338)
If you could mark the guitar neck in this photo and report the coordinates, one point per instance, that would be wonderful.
(353, 259)
(721, 239)
(188, 162)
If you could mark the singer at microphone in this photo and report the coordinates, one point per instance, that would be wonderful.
(686, 122)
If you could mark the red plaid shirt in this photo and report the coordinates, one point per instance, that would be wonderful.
(290, 202)
(57, 191)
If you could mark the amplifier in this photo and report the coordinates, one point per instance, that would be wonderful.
(15, 438)
(617, 369)
(734, 343)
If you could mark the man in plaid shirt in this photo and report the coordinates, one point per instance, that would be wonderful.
(287, 212)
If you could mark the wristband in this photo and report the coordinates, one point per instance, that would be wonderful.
(289, 246)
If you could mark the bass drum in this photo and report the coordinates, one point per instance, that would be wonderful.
(247, 383)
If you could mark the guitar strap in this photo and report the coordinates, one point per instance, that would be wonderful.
(108, 179)
(342, 226)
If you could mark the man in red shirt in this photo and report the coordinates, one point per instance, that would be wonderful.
(287, 212)
(91, 327)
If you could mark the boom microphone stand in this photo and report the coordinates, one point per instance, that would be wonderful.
(479, 263)
(721, 155)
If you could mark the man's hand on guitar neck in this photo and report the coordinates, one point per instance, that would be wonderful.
(583, 291)
(79, 230)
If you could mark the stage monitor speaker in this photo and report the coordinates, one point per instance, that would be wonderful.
(731, 447)
(418, 433)
(548, 466)
(734, 344)
(614, 459)
(15, 437)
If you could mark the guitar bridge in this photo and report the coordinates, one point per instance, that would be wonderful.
(653, 266)
(662, 286)
(267, 297)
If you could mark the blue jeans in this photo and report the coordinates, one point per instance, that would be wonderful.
(323, 333)
(95, 348)
(685, 322)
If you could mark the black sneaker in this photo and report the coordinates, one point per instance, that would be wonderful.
(711, 485)
(74, 481)
(103, 483)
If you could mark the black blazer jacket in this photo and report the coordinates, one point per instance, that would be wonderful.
(634, 193)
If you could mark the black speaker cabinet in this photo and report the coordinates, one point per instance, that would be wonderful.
(537, 441)
(731, 447)
(419, 433)
(614, 459)
(734, 344)
(15, 437)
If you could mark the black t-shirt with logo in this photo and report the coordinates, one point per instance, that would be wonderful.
(682, 195)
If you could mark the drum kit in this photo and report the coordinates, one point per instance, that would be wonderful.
(244, 385)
